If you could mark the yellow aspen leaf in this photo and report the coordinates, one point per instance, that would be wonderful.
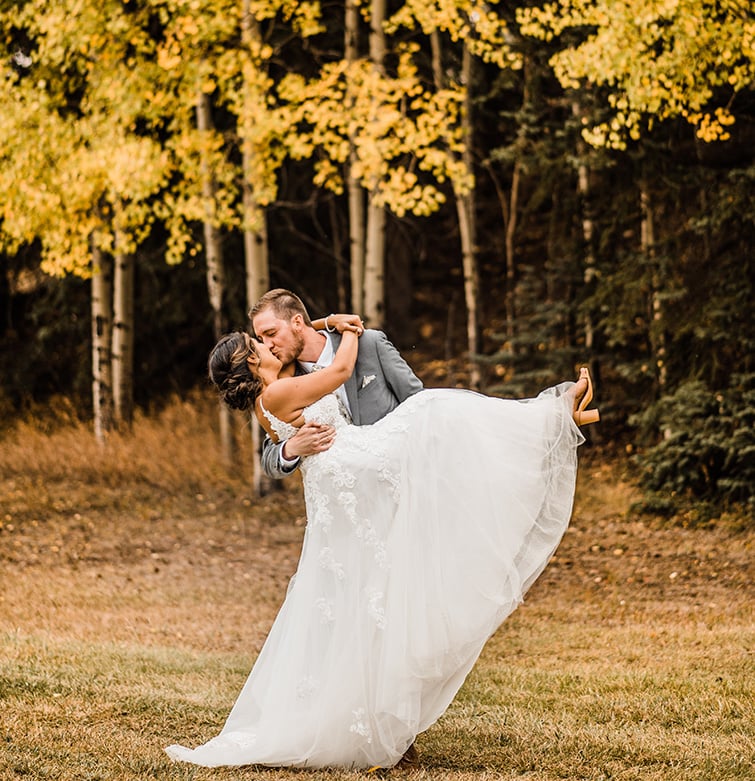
(661, 59)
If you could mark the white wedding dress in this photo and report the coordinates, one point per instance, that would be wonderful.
(424, 531)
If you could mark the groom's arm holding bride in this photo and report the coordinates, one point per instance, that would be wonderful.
(381, 381)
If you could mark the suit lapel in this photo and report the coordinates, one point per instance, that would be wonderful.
(350, 386)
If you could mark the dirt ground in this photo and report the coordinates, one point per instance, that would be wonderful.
(135, 565)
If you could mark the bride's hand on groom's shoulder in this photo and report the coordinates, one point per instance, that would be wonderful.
(344, 322)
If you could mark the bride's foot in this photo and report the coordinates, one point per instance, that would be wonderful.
(410, 758)
(583, 392)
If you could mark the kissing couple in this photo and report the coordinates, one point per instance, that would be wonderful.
(430, 513)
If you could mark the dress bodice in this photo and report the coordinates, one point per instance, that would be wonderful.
(324, 410)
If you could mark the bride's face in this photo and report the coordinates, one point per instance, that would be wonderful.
(282, 337)
(263, 358)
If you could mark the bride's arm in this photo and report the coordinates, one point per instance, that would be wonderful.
(339, 322)
(287, 397)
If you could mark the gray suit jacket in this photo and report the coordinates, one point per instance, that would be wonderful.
(381, 381)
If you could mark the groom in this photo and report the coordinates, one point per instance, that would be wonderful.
(380, 382)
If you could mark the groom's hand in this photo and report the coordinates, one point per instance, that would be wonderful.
(311, 438)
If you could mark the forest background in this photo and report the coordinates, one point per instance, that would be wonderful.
(508, 189)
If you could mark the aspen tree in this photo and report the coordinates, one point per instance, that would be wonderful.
(657, 60)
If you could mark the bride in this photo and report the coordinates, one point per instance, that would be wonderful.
(424, 531)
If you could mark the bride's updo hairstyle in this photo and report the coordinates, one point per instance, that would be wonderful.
(229, 371)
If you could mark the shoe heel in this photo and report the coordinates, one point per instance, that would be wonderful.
(587, 397)
(582, 415)
(586, 417)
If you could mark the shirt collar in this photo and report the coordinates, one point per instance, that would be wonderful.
(325, 358)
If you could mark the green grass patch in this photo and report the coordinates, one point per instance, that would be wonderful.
(86, 711)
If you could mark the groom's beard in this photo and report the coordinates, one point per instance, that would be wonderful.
(289, 354)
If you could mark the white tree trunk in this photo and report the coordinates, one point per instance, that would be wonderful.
(256, 253)
(357, 242)
(465, 210)
(648, 243)
(374, 266)
(213, 247)
(123, 338)
(256, 256)
(257, 283)
(588, 229)
(467, 233)
(356, 195)
(511, 217)
(215, 269)
(102, 328)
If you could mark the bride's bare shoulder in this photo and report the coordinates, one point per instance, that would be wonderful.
(281, 400)
(282, 391)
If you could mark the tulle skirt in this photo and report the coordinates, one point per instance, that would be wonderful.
(424, 531)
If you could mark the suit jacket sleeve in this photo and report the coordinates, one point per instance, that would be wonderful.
(270, 460)
(398, 374)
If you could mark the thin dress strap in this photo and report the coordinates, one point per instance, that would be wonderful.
(282, 430)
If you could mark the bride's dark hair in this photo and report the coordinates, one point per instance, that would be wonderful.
(229, 371)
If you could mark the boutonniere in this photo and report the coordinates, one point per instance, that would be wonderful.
(367, 380)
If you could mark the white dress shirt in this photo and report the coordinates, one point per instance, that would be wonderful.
(325, 359)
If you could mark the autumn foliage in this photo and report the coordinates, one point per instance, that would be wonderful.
(563, 181)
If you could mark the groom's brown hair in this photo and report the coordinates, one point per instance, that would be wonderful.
(283, 302)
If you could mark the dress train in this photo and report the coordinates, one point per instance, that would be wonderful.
(424, 532)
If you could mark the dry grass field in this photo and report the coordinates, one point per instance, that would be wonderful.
(137, 586)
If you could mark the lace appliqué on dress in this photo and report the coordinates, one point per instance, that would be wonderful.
(329, 562)
(281, 429)
(326, 410)
(307, 687)
(360, 725)
(375, 607)
(321, 515)
(325, 606)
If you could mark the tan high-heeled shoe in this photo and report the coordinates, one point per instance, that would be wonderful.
(583, 416)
